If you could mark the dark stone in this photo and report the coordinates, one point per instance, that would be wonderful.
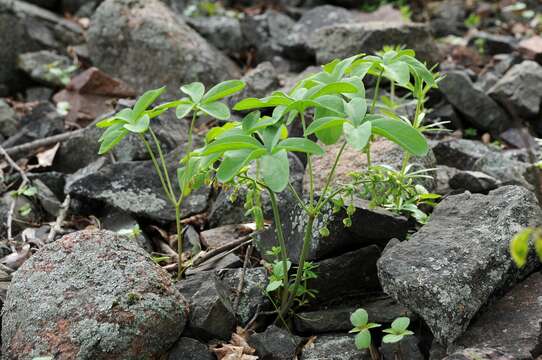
(224, 32)
(447, 17)
(334, 347)
(125, 225)
(39, 93)
(493, 44)
(91, 293)
(511, 324)
(477, 107)
(453, 265)
(473, 181)
(190, 349)
(158, 47)
(275, 344)
(337, 319)
(260, 81)
(353, 274)
(460, 153)
(37, 66)
(9, 121)
(405, 349)
(444, 174)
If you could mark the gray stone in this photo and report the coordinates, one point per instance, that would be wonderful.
(344, 40)
(209, 317)
(507, 168)
(125, 225)
(252, 296)
(405, 349)
(230, 261)
(39, 93)
(275, 344)
(473, 181)
(48, 4)
(85, 295)
(444, 174)
(25, 27)
(8, 120)
(38, 65)
(453, 265)
(157, 47)
(511, 324)
(265, 33)
(47, 199)
(460, 153)
(223, 32)
(493, 44)
(190, 349)
(260, 81)
(447, 17)
(132, 186)
(521, 88)
(351, 275)
(337, 319)
(479, 354)
(477, 107)
(334, 347)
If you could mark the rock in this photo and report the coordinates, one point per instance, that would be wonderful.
(39, 93)
(344, 40)
(493, 44)
(337, 319)
(132, 186)
(521, 88)
(223, 32)
(55, 181)
(369, 226)
(275, 344)
(8, 120)
(230, 261)
(38, 66)
(445, 112)
(47, 199)
(531, 48)
(65, 303)
(209, 318)
(48, 4)
(460, 153)
(473, 181)
(383, 152)
(447, 17)
(265, 33)
(125, 225)
(508, 168)
(135, 29)
(444, 174)
(346, 275)
(453, 265)
(25, 27)
(311, 21)
(479, 354)
(83, 8)
(409, 349)
(220, 236)
(260, 81)
(511, 324)
(190, 349)
(472, 103)
(251, 298)
(334, 347)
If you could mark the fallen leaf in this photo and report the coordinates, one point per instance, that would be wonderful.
(46, 158)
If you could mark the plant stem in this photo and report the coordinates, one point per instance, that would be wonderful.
(180, 240)
(330, 176)
(309, 163)
(164, 164)
(282, 243)
(158, 170)
(373, 108)
(374, 352)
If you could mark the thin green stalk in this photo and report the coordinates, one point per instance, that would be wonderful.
(373, 108)
(180, 241)
(164, 164)
(158, 170)
(297, 197)
(282, 243)
(309, 164)
(330, 175)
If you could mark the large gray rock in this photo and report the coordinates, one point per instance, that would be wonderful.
(521, 88)
(477, 107)
(453, 265)
(343, 40)
(156, 46)
(275, 344)
(223, 32)
(334, 347)
(190, 349)
(511, 324)
(25, 27)
(260, 81)
(447, 17)
(134, 187)
(89, 294)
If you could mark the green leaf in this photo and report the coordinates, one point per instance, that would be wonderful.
(183, 110)
(301, 145)
(123, 116)
(519, 247)
(145, 101)
(216, 109)
(275, 170)
(402, 134)
(332, 105)
(356, 110)
(253, 103)
(158, 110)
(359, 318)
(250, 121)
(140, 126)
(340, 87)
(273, 285)
(538, 243)
(220, 91)
(195, 90)
(391, 338)
(357, 137)
(111, 137)
(400, 324)
(271, 135)
(324, 123)
(234, 161)
(397, 71)
(363, 339)
(232, 142)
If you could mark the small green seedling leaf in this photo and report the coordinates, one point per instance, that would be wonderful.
(357, 137)
(183, 110)
(301, 145)
(519, 247)
(195, 90)
(216, 110)
(400, 324)
(220, 91)
(145, 101)
(363, 339)
(359, 318)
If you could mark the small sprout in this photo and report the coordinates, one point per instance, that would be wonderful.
(324, 231)
(347, 222)
(397, 331)
(362, 326)
(63, 108)
(133, 298)
(25, 210)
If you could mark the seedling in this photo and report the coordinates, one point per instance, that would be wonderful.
(362, 326)
(137, 120)
(397, 332)
(520, 246)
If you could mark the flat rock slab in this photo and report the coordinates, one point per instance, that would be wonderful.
(479, 354)
(512, 324)
(91, 295)
(450, 268)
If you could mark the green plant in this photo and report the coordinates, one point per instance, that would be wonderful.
(62, 74)
(472, 21)
(137, 120)
(254, 152)
(520, 245)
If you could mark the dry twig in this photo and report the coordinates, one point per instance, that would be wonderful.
(59, 219)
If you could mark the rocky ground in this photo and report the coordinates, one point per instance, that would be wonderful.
(87, 240)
